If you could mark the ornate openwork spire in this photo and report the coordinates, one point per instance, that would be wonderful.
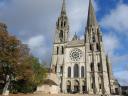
(63, 11)
(91, 21)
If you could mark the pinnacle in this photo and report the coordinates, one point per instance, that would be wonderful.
(63, 11)
(91, 21)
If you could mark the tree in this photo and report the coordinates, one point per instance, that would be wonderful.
(18, 69)
(30, 74)
(9, 49)
(39, 72)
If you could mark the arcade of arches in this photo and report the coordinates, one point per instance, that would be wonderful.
(76, 81)
(74, 86)
(78, 72)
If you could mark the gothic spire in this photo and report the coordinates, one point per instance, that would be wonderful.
(75, 37)
(91, 15)
(63, 10)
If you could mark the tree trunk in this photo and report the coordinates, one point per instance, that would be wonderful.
(5, 90)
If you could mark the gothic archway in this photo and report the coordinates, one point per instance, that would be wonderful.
(76, 86)
(84, 87)
(68, 83)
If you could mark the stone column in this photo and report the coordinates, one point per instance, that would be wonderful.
(87, 64)
(63, 79)
(88, 85)
(79, 71)
(96, 83)
(72, 85)
(72, 69)
(80, 86)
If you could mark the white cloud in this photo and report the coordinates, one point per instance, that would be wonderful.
(120, 59)
(33, 21)
(78, 11)
(111, 43)
(117, 19)
(36, 42)
(38, 47)
(29, 18)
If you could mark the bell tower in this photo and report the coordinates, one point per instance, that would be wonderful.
(62, 26)
(95, 58)
(60, 41)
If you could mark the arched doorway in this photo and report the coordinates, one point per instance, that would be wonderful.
(76, 86)
(84, 87)
(68, 86)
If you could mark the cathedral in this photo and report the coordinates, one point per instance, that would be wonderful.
(82, 66)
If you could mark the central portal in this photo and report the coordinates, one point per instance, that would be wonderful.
(76, 87)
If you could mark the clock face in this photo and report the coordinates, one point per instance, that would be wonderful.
(75, 54)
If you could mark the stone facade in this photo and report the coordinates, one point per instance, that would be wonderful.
(81, 65)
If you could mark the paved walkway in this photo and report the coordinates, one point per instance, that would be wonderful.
(42, 94)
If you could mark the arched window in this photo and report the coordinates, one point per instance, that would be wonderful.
(82, 71)
(92, 85)
(100, 82)
(61, 69)
(69, 72)
(99, 67)
(62, 50)
(61, 24)
(93, 39)
(64, 23)
(61, 34)
(92, 67)
(57, 50)
(97, 47)
(90, 47)
(76, 71)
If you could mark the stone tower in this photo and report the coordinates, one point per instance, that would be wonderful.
(62, 26)
(95, 58)
(81, 66)
(61, 38)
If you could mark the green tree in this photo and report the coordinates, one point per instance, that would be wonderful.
(18, 69)
(30, 74)
(39, 72)
(9, 49)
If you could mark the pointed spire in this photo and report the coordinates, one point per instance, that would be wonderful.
(75, 37)
(91, 15)
(63, 11)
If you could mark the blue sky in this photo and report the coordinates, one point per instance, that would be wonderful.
(33, 22)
